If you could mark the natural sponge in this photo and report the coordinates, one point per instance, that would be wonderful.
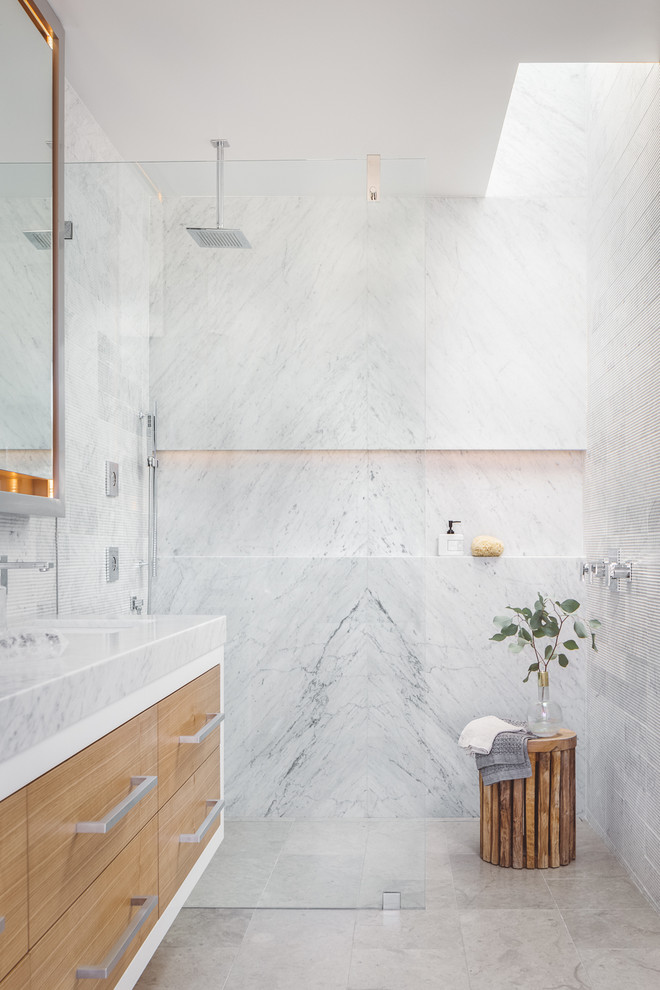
(487, 546)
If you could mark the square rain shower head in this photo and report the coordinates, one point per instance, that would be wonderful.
(218, 237)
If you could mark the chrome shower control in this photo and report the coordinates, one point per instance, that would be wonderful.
(618, 572)
(112, 563)
(111, 478)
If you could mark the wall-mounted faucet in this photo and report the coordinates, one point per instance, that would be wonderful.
(617, 573)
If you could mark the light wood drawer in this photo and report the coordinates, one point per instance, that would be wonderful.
(96, 924)
(185, 713)
(187, 814)
(19, 978)
(85, 789)
(13, 880)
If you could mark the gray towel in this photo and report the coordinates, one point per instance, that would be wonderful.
(508, 759)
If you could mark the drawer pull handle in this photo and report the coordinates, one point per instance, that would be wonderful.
(199, 737)
(216, 808)
(2, 924)
(144, 785)
(103, 971)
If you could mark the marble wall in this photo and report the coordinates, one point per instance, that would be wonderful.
(327, 401)
(622, 480)
(106, 387)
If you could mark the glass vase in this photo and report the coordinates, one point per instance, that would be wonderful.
(544, 717)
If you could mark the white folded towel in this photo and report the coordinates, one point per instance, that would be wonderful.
(479, 734)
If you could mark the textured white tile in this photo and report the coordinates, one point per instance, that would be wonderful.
(542, 148)
(506, 341)
(623, 468)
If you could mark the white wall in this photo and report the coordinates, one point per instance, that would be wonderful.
(622, 506)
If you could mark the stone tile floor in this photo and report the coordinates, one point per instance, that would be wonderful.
(580, 927)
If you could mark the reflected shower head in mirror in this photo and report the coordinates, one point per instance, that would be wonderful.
(219, 236)
(41, 239)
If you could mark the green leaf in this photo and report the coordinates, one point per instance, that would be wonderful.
(516, 647)
(498, 637)
(593, 642)
(510, 630)
(525, 634)
(502, 620)
(548, 652)
(518, 611)
(570, 644)
(581, 630)
(535, 622)
(595, 623)
(563, 660)
(551, 627)
(570, 605)
(532, 666)
(527, 612)
(538, 633)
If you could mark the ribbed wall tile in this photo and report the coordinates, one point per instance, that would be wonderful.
(622, 507)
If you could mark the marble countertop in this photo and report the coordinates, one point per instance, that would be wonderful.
(104, 661)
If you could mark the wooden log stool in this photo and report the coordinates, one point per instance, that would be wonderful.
(530, 823)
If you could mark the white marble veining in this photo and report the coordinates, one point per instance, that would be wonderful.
(280, 329)
(468, 676)
(506, 340)
(542, 146)
(25, 319)
(351, 679)
(292, 503)
(396, 329)
(39, 699)
(531, 500)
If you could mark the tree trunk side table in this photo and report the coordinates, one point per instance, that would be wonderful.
(530, 823)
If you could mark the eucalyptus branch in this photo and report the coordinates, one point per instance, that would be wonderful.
(547, 619)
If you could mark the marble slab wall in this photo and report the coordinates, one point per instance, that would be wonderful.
(329, 400)
(348, 680)
(622, 479)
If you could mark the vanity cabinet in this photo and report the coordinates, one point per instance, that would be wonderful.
(13, 881)
(110, 836)
(70, 844)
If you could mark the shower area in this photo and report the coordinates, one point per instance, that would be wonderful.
(289, 380)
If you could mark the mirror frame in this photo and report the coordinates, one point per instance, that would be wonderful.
(48, 24)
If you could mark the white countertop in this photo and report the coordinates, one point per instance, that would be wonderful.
(104, 663)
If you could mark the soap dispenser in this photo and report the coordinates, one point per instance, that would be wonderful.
(451, 544)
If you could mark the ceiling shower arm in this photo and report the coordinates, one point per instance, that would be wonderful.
(220, 144)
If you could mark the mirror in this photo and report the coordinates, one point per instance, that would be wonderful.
(31, 234)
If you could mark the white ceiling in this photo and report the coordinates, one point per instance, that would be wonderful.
(310, 79)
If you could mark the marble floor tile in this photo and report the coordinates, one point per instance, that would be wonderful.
(313, 882)
(481, 886)
(233, 882)
(591, 892)
(287, 950)
(327, 838)
(461, 837)
(197, 952)
(529, 950)
(612, 927)
(616, 969)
